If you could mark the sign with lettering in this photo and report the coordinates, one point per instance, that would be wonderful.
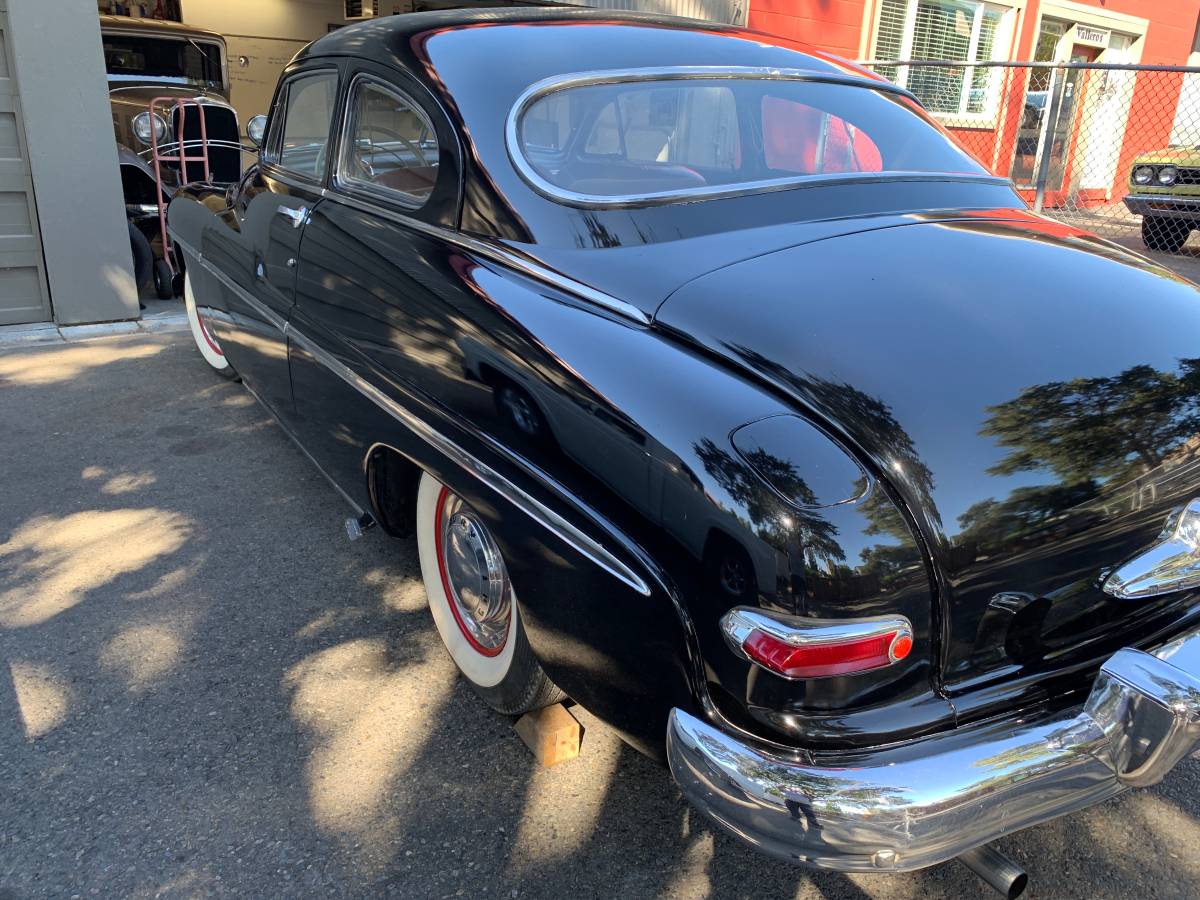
(1091, 37)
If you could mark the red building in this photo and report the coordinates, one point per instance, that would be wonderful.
(998, 113)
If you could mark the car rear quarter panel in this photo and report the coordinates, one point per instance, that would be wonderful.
(630, 438)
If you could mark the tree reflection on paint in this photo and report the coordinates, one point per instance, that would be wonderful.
(1098, 428)
(739, 479)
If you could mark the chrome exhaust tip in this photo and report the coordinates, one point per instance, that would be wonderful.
(1000, 872)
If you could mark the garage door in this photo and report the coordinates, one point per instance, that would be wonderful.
(23, 293)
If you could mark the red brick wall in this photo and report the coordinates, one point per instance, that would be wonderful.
(836, 27)
(831, 25)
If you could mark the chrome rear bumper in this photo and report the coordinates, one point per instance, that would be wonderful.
(915, 804)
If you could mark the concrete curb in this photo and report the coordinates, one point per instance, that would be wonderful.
(13, 336)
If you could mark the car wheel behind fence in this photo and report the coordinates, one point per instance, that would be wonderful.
(1166, 235)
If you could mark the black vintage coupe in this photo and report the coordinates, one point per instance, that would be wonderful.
(726, 395)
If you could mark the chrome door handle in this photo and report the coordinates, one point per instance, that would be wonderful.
(297, 215)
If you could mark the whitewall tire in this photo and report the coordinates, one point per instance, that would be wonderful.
(206, 342)
(474, 606)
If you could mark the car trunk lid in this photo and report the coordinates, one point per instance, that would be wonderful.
(1031, 392)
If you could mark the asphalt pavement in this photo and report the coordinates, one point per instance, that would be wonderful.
(205, 690)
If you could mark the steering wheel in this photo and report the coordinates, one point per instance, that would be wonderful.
(388, 133)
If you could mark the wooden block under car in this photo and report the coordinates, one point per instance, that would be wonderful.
(551, 733)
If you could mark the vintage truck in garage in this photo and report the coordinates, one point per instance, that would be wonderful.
(146, 61)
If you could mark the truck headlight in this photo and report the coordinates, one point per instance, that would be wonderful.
(143, 122)
(1143, 175)
(1167, 175)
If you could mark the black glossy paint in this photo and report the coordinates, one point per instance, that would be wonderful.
(1040, 430)
(877, 333)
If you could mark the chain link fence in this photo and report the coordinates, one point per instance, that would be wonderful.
(1109, 148)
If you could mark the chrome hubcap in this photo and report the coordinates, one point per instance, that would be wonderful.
(475, 576)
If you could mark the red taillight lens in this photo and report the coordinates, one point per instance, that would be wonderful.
(816, 660)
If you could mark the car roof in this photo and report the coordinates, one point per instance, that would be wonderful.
(130, 25)
(486, 36)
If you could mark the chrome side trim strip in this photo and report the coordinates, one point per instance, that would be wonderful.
(502, 255)
(675, 73)
(259, 307)
(530, 505)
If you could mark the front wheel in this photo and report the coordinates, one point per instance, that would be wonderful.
(143, 256)
(164, 280)
(206, 343)
(473, 603)
(1165, 235)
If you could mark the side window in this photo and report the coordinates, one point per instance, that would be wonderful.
(801, 139)
(391, 145)
(307, 110)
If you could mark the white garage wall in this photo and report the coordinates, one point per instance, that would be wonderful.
(261, 36)
(302, 20)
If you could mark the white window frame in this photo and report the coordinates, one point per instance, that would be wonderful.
(1001, 51)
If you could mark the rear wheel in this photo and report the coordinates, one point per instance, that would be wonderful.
(206, 343)
(1166, 235)
(473, 603)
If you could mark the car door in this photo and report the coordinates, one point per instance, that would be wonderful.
(375, 282)
(389, 295)
(258, 257)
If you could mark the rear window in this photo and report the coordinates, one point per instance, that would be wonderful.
(684, 138)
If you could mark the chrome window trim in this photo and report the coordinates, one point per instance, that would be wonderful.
(351, 184)
(499, 254)
(292, 180)
(523, 500)
(686, 195)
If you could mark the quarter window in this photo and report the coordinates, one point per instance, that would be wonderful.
(392, 145)
(307, 117)
(962, 31)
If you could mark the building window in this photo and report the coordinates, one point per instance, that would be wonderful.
(962, 31)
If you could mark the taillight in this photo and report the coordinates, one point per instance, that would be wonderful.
(796, 647)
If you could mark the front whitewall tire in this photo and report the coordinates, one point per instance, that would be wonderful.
(205, 342)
